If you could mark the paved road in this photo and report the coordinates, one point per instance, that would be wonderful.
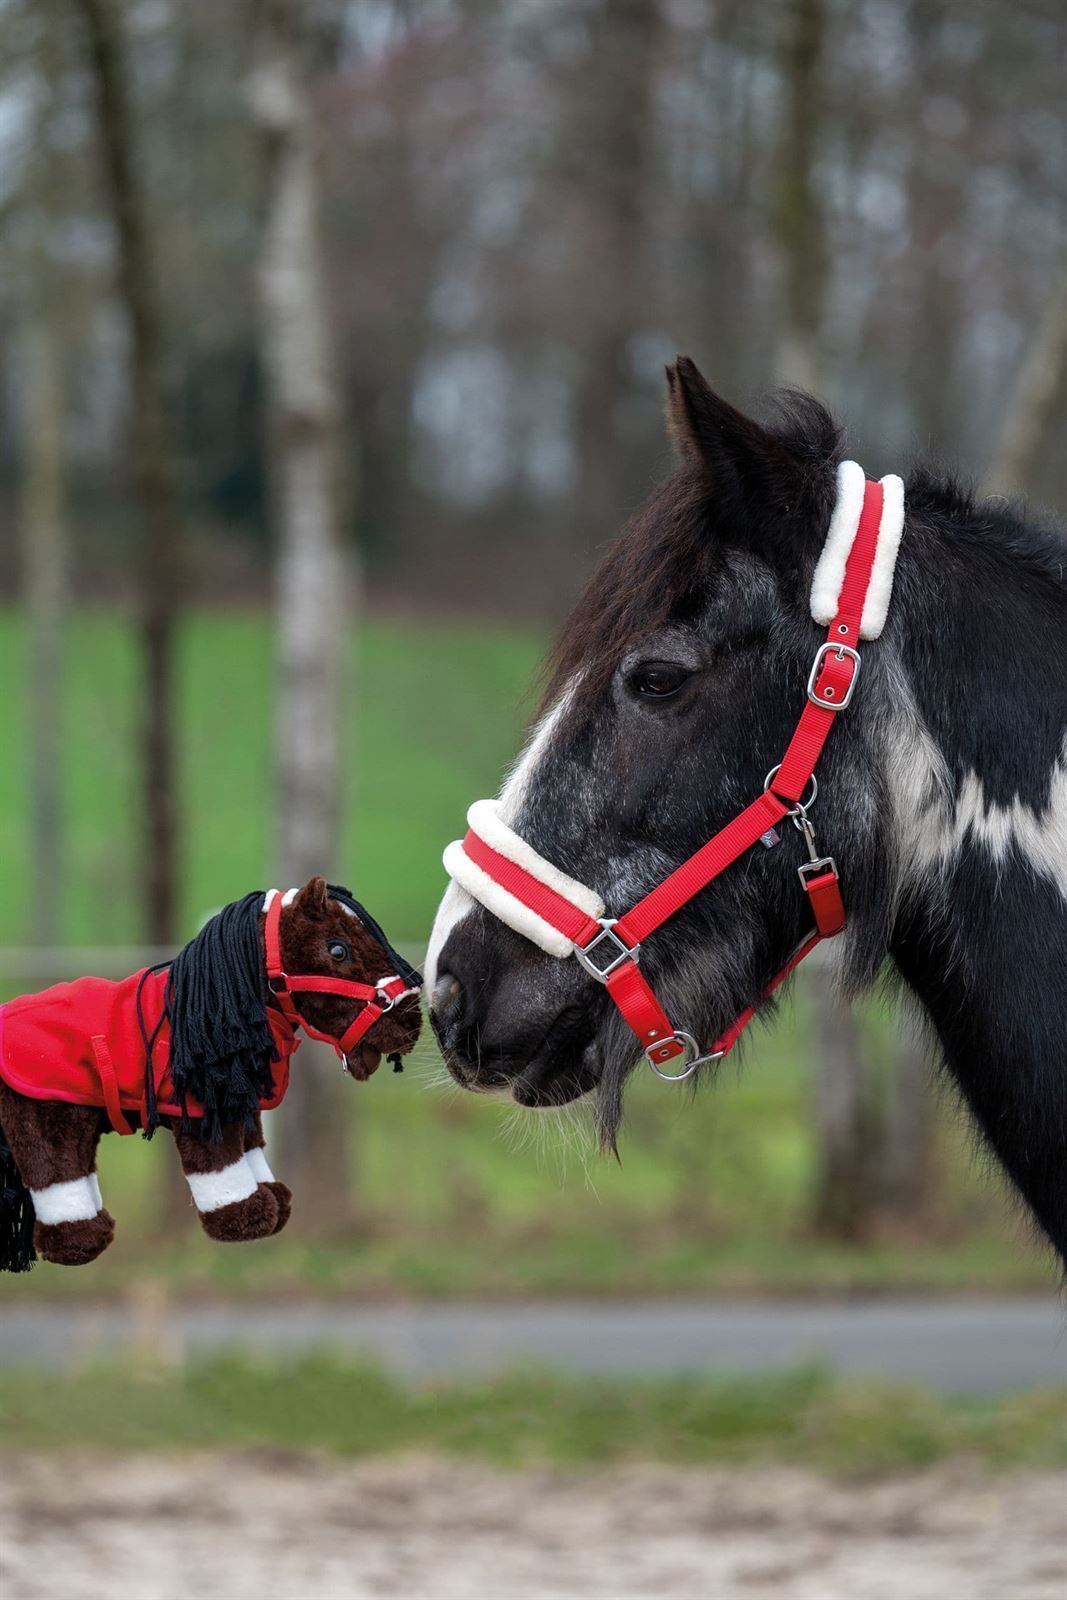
(978, 1346)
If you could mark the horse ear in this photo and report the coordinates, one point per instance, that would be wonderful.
(748, 466)
(313, 897)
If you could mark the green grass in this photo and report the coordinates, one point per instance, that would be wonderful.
(432, 717)
(320, 1403)
(713, 1190)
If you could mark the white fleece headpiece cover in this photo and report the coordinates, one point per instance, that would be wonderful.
(485, 820)
(844, 525)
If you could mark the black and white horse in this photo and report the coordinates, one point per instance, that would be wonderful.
(676, 684)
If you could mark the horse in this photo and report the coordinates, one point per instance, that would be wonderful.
(690, 675)
(200, 1045)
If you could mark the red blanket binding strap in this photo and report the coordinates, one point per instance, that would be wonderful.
(608, 948)
(378, 998)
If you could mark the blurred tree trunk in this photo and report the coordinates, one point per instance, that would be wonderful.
(44, 588)
(906, 1153)
(314, 612)
(1033, 405)
(845, 1181)
(154, 469)
(796, 211)
(611, 126)
(153, 461)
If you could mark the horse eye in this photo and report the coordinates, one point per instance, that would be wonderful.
(658, 680)
(339, 951)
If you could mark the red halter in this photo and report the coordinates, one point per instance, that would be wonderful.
(608, 947)
(378, 997)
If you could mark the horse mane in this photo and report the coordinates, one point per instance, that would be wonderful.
(658, 568)
(215, 1001)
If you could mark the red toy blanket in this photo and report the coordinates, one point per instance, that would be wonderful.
(81, 1042)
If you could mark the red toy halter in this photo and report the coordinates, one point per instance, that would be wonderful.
(378, 997)
(862, 544)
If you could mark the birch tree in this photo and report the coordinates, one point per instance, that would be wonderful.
(314, 609)
(153, 460)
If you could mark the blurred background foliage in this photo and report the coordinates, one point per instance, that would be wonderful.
(514, 213)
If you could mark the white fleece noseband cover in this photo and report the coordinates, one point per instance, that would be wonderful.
(844, 525)
(485, 820)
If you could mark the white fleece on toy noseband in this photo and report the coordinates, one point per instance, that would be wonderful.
(484, 819)
(844, 525)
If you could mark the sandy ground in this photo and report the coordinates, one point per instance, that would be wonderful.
(243, 1526)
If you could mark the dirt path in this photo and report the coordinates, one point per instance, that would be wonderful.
(296, 1528)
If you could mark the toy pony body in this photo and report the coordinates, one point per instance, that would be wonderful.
(201, 1047)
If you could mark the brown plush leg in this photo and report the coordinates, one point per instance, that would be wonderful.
(282, 1193)
(54, 1146)
(232, 1205)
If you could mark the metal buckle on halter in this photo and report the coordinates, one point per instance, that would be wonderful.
(693, 1057)
(809, 868)
(624, 952)
(386, 1002)
(841, 651)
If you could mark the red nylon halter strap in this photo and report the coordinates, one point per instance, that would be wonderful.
(283, 985)
(832, 682)
(830, 687)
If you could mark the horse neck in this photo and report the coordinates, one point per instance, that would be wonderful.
(980, 775)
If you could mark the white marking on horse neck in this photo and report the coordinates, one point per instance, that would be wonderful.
(932, 824)
(77, 1200)
(1039, 836)
(456, 902)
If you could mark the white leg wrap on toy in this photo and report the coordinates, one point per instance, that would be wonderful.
(257, 1161)
(78, 1200)
(210, 1190)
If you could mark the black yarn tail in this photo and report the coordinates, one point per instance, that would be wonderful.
(16, 1216)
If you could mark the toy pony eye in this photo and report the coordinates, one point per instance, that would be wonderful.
(338, 950)
(657, 680)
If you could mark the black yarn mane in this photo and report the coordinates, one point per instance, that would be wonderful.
(221, 1046)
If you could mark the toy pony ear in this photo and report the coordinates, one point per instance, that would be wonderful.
(313, 898)
(753, 471)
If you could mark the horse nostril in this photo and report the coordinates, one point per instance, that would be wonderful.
(446, 1000)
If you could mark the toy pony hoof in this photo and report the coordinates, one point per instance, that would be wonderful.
(74, 1244)
(254, 1218)
(284, 1196)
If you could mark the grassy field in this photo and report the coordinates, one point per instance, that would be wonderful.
(319, 1403)
(713, 1190)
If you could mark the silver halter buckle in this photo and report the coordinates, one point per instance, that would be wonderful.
(693, 1058)
(622, 952)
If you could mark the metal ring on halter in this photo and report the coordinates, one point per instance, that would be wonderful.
(693, 1061)
(801, 805)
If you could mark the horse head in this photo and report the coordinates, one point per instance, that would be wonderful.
(313, 954)
(325, 933)
(676, 686)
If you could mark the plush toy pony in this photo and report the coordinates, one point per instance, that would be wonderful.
(200, 1045)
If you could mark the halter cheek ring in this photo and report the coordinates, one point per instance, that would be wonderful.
(850, 593)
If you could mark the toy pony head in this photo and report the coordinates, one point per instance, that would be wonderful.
(221, 987)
